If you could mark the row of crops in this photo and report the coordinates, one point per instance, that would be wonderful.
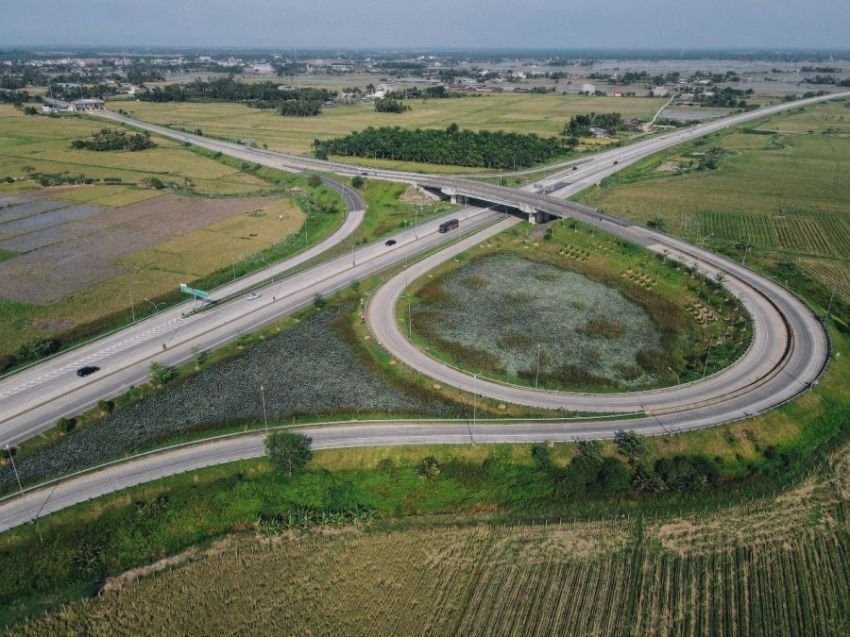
(481, 580)
(816, 234)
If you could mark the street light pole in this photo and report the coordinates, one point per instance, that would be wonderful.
(21, 489)
(265, 416)
(537, 376)
(155, 305)
(474, 404)
(678, 379)
(132, 306)
(15, 469)
(829, 305)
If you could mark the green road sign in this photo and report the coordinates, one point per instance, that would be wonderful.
(200, 294)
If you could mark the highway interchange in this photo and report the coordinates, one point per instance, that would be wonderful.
(788, 353)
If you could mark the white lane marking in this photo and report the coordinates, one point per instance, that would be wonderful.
(106, 352)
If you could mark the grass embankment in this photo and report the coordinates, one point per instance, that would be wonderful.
(594, 339)
(393, 207)
(777, 195)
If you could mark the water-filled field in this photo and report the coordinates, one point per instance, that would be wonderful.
(504, 313)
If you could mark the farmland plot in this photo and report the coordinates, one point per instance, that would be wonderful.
(459, 580)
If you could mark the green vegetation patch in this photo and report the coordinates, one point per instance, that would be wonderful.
(484, 149)
(109, 139)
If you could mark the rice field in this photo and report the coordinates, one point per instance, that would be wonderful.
(544, 115)
(605, 578)
(782, 191)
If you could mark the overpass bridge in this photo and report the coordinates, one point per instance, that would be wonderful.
(535, 207)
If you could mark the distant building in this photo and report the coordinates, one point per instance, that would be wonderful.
(659, 91)
(260, 68)
(50, 105)
(598, 132)
(88, 105)
(589, 89)
(618, 94)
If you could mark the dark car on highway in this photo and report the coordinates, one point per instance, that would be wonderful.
(88, 369)
(390, 242)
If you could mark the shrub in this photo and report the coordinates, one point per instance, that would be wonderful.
(66, 425)
(161, 374)
(631, 445)
(428, 468)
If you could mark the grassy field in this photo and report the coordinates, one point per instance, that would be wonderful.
(604, 314)
(43, 145)
(779, 188)
(545, 115)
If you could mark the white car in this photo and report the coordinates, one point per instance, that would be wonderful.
(253, 295)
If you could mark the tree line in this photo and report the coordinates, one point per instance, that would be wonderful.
(230, 90)
(17, 97)
(482, 149)
(427, 93)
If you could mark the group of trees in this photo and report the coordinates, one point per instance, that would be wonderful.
(635, 77)
(580, 125)
(390, 105)
(300, 102)
(17, 97)
(827, 79)
(589, 472)
(427, 93)
(300, 108)
(483, 149)
(107, 139)
(726, 97)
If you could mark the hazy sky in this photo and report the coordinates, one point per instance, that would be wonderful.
(430, 23)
